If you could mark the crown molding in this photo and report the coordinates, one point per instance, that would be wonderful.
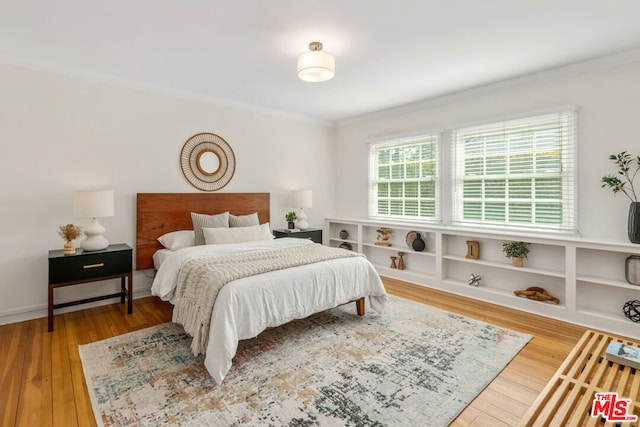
(603, 62)
(108, 79)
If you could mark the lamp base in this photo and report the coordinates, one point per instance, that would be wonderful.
(95, 240)
(301, 221)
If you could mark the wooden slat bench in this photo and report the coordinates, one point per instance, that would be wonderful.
(568, 397)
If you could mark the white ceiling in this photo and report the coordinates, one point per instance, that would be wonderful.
(388, 53)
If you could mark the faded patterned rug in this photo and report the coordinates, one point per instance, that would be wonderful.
(413, 365)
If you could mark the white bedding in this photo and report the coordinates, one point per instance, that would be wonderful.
(159, 256)
(245, 307)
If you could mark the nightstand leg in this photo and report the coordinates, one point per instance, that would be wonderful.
(123, 289)
(129, 292)
(50, 308)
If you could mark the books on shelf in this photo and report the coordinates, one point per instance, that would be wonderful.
(623, 354)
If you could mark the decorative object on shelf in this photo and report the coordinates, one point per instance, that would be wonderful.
(474, 279)
(94, 205)
(631, 309)
(346, 245)
(207, 161)
(415, 241)
(344, 234)
(383, 236)
(517, 251)
(291, 218)
(302, 199)
(628, 168)
(632, 269)
(393, 262)
(401, 261)
(537, 294)
(633, 222)
(473, 249)
(69, 233)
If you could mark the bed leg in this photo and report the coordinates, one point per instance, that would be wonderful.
(360, 306)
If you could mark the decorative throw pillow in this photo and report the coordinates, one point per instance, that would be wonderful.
(252, 233)
(210, 221)
(243, 220)
(178, 239)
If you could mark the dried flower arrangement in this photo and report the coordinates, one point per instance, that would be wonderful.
(69, 232)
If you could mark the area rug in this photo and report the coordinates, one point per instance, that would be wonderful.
(412, 365)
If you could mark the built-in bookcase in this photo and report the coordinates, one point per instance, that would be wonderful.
(586, 275)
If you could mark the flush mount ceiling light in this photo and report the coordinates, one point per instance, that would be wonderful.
(316, 66)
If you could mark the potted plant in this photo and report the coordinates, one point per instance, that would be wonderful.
(291, 217)
(628, 167)
(517, 251)
(69, 232)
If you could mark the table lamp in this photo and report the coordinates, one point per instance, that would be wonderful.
(94, 205)
(301, 199)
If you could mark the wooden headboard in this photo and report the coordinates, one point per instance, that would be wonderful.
(160, 213)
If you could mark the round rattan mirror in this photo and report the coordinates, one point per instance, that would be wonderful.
(207, 161)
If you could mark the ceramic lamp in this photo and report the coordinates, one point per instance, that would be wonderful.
(94, 205)
(301, 199)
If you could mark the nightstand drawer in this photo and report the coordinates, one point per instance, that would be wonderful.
(89, 265)
(314, 234)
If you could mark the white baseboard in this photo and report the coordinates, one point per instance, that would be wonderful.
(41, 310)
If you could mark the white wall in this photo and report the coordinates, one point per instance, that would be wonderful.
(60, 134)
(608, 102)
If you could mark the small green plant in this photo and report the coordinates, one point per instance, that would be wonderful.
(291, 216)
(515, 249)
(628, 168)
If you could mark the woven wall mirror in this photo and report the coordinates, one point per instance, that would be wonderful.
(207, 161)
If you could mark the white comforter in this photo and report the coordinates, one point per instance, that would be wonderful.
(245, 307)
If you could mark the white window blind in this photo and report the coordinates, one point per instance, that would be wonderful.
(517, 173)
(404, 178)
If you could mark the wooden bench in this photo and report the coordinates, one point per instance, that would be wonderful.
(568, 397)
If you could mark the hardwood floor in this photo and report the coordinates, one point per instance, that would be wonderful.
(42, 383)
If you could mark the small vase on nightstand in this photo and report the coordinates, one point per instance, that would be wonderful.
(69, 248)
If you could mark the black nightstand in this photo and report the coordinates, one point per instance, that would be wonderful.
(84, 267)
(314, 234)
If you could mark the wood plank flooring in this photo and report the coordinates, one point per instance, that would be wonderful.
(42, 384)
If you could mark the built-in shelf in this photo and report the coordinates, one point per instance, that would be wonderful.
(586, 275)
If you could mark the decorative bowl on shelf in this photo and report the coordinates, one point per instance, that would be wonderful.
(346, 245)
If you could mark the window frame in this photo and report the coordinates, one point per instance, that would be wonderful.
(432, 138)
(567, 125)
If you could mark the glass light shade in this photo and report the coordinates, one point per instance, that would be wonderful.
(301, 199)
(93, 204)
(316, 66)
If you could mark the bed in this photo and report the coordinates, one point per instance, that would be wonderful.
(249, 301)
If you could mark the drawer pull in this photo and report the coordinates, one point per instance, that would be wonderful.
(93, 265)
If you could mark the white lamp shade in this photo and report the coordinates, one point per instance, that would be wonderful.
(301, 199)
(316, 66)
(93, 204)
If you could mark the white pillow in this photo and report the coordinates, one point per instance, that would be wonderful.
(178, 239)
(237, 234)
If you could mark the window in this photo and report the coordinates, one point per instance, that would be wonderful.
(516, 173)
(404, 178)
